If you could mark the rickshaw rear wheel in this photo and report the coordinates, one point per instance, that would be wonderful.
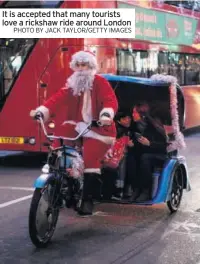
(177, 191)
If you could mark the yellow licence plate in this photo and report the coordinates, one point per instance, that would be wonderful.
(11, 140)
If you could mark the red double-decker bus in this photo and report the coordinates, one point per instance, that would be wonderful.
(167, 41)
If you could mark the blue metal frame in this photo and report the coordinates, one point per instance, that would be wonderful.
(41, 181)
(166, 181)
(164, 187)
(145, 81)
(65, 161)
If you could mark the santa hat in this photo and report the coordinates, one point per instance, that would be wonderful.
(84, 56)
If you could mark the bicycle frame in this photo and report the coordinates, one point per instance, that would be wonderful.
(44, 178)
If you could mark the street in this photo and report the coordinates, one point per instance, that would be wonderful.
(115, 234)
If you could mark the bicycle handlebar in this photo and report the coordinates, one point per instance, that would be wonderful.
(39, 117)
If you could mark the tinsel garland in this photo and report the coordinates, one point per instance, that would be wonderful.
(179, 142)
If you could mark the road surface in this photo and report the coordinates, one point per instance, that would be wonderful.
(114, 235)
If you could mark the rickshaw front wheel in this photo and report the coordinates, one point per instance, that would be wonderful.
(177, 191)
(42, 217)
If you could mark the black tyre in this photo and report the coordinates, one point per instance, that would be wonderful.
(177, 191)
(42, 217)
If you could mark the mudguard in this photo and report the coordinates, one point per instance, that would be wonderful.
(43, 179)
(181, 162)
(165, 185)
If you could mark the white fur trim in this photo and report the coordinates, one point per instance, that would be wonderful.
(87, 107)
(110, 111)
(83, 56)
(91, 134)
(164, 78)
(105, 139)
(179, 138)
(44, 110)
(80, 127)
(93, 171)
(71, 122)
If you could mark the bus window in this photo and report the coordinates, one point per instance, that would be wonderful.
(152, 62)
(13, 53)
(31, 4)
(134, 63)
(191, 4)
(125, 62)
(177, 66)
(163, 63)
(141, 63)
(192, 72)
(175, 3)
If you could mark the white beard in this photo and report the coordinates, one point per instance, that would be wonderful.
(81, 81)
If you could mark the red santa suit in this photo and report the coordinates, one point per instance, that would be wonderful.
(86, 97)
(80, 110)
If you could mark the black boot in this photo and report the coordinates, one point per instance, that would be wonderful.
(86, 207)
(91, 190)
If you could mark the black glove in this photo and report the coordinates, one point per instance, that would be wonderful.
(38, 115)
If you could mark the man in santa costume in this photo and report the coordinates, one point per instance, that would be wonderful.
(86, 97)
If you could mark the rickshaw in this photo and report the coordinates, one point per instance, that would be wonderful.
(55, 184)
